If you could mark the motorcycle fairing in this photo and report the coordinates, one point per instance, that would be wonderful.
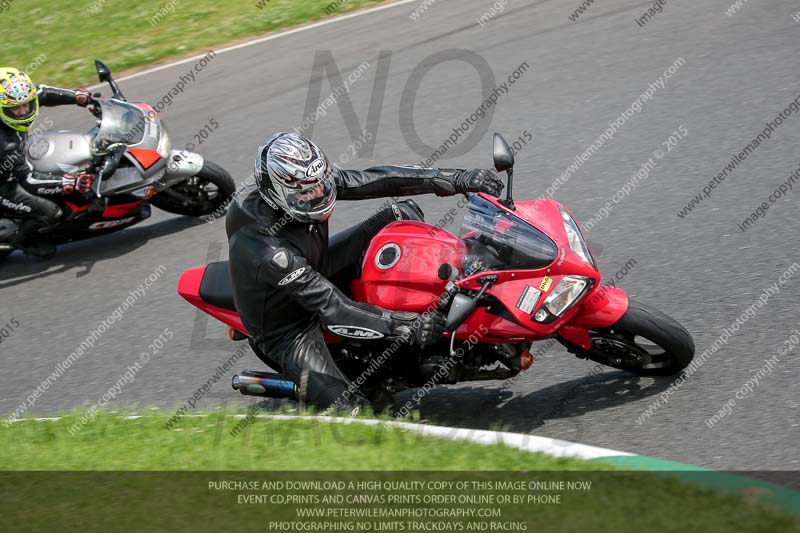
(601, 308)
(87, 224)
(189, 289)
(145, 156)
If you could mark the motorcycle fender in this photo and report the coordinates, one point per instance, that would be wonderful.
(602, 308)
(182, 164)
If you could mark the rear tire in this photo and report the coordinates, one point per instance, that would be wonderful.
(199, 195)
(644, 341)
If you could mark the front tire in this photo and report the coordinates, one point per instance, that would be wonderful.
(644, 341)
(199, 195)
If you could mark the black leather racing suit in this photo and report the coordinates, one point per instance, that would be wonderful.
(290, 282)
(17, 176)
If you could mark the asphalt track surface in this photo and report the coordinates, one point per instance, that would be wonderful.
(739, 72)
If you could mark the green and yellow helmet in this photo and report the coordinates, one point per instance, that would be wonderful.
(19, 104)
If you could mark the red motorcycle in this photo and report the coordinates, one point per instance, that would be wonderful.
(520, 272)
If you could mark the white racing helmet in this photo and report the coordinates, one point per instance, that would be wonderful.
(292, 174)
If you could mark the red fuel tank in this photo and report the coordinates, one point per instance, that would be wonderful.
(401, 267)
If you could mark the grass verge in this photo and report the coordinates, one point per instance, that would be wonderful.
(61, 38)
(111, 442)
(112, 472)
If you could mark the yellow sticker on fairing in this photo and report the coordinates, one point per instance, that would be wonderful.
(545, 285)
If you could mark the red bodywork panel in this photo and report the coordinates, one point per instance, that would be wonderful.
(145, 156)
(601, 308)
(77, 208)
(189, 288)
(412, 283)
(120, 210)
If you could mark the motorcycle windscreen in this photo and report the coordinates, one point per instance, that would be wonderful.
(499, 240)
(121, 123)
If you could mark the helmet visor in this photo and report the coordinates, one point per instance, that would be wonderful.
(20, 114)
(315, 199)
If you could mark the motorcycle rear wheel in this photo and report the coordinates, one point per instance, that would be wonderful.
(199, 195)
(644, 341)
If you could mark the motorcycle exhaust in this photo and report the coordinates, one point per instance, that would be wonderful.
(264, 384)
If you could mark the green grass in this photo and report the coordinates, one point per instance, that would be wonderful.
(110, 479)
(113, 443)
(70, 36)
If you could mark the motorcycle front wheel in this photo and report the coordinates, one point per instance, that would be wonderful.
(644, 341)
(199, 195)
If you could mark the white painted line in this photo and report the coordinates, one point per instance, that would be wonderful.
(519, 441)
(260, 40)
(55, 419)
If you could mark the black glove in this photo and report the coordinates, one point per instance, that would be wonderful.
(478, 180)
(421, 330)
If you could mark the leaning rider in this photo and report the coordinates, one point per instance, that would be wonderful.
(19, 105)
(290, 282)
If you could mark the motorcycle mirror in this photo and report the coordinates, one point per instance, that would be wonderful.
(504, 161)
(503, 155)
(103, 72)
(460, 309)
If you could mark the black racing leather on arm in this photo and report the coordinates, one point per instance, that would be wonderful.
(287, 270)
(55, 96)
(393, 181)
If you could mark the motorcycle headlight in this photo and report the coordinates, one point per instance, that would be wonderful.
(566, 293)
(576, 240)
(164, 143)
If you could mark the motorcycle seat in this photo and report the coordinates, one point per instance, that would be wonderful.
(216, 287)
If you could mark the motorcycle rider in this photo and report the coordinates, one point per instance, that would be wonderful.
(290, 282)
(19, 106)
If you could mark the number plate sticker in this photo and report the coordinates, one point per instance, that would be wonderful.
(546, 282)
(528, 299)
